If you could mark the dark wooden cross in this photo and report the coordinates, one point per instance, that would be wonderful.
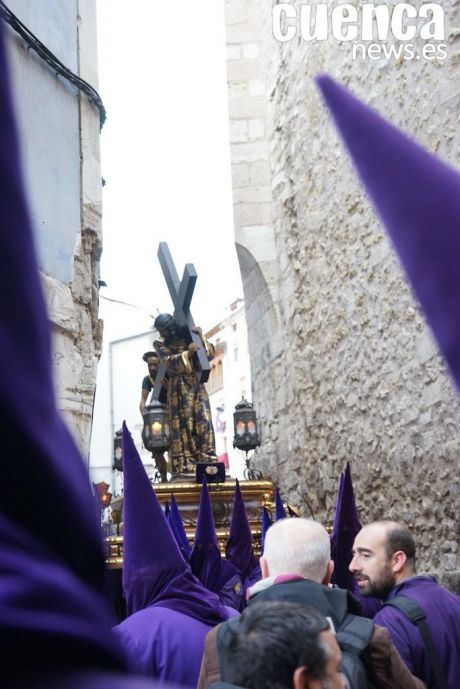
(181, 295)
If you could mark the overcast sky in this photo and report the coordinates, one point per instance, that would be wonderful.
(165, 157)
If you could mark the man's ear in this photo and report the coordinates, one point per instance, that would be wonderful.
(398, 561)
(263, 567)
(328, 576)
(300, 680)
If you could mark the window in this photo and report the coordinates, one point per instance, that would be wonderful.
(216, 377)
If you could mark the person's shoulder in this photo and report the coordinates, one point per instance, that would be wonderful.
(146, 383)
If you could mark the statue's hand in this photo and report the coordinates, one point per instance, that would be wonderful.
(197, 330)
(192, 348)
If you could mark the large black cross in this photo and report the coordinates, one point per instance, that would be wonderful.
(181, 295)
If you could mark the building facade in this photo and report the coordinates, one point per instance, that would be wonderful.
(344, 367)
(59, 131)
(229, 381)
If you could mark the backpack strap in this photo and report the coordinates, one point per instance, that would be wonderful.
(416, 615)
(353, 637)
(354, 634)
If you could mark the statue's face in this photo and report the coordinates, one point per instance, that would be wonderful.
(168, 333)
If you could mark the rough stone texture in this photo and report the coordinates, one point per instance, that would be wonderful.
(343, 365)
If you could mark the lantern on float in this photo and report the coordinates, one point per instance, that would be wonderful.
(155, 433)
(118, 450)
(246, 435)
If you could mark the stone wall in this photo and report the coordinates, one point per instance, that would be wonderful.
(59, 131)
(343, 365)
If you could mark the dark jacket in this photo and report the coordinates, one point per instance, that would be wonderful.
(389, 670)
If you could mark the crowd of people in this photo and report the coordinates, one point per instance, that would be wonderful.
(293, 629)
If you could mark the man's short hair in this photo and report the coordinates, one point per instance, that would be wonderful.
(400, 538)
(297, 546)
(272, 640)
(148, 355)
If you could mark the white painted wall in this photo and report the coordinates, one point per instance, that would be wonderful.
(236, 381)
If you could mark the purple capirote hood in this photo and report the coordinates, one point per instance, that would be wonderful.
(280, 512)
(52, 609)
(205, 559)
(154, 571)
(239, 550)
(344, 530)
(177, 527)
(418, 199)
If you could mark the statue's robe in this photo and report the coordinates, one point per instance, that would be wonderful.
(192, 432)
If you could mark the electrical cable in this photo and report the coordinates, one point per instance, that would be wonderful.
(33, 42)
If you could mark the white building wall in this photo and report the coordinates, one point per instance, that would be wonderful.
(59, 132)
(231, 336)
(119, 381)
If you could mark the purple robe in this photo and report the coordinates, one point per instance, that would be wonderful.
(442, 610)
(165, 644)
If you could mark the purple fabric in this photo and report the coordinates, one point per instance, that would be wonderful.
(52, 610)
(239, 548)
(231, 590)
(86, 680)
(177, 527)
(206, 562)
(280, 512)
(344, 530)
(165, 644)
(418, 199)
(205, 559)
(61, 511)
(266, 524)
(154, 571)
(48, 614)
(442, 610)
(346, 526)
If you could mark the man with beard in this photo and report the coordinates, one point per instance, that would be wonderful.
(297, 567)
(384, 567)
(188, 402)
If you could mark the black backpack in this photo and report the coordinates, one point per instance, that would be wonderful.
(353, 636)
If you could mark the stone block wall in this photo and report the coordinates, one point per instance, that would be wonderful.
(344, 367)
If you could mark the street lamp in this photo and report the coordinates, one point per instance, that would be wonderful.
(246, 436)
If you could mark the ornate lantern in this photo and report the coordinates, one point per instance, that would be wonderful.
(245, 427)
(102, 493)
(155, 433)
(118, 451)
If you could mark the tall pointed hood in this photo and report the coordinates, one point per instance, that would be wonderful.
(346, 526)
(154, 571)
(418, 199)
(266, 524)
(53, 612)
(205, 560)
(177, 527)
(280, 512)
(239, 548)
